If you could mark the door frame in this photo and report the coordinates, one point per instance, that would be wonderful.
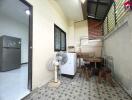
(30, 43)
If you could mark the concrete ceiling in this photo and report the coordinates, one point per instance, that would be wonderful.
(14, 9)
(72, 9)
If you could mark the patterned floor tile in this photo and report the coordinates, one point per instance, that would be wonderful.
(79, 89)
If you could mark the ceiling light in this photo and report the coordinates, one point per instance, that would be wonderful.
(28, 12)
(82, 1)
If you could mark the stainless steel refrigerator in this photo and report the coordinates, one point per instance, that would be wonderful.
(10, 53)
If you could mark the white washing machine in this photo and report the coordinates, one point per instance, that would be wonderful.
(69, 68)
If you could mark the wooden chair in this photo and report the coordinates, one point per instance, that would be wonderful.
(85, 70)
(105, 74)
(88, 71)
(82, 68)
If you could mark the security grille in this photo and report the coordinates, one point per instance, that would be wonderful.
(116, 13)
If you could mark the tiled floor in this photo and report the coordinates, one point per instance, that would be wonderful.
(13, 84)
(79, 89)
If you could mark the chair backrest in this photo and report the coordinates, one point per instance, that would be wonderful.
(108, 62)
(92, 54)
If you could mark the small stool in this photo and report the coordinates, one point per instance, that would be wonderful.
(105, 74)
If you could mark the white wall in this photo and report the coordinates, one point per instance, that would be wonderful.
(92, 46)
(12, 27)
(71, 35)
(81, 30)
(45, 14)
(119, 45)
(78, 30)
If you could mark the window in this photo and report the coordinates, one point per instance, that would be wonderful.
(115, 15)
(59, 39)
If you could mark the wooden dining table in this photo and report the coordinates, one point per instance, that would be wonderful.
(94, 59)
(88, 59)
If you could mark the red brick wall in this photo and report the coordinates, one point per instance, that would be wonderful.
(94, 28)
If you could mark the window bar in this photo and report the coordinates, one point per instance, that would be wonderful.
(103, 32)
(115, 13)
(107, 26)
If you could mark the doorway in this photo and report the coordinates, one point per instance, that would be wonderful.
(15, 49)
(30, 43)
